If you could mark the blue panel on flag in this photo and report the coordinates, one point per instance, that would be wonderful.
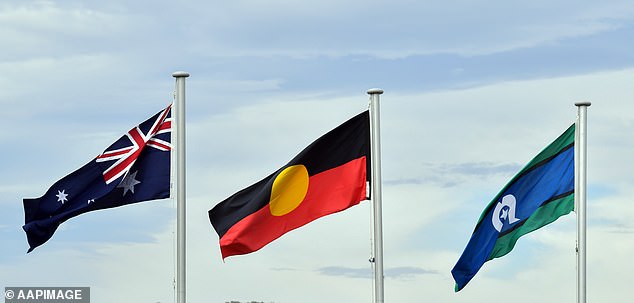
(135, 168)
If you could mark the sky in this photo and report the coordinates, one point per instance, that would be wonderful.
(474, 90)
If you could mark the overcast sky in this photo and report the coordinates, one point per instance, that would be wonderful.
(474, 89)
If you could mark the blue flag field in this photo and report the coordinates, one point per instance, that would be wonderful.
(135, 168)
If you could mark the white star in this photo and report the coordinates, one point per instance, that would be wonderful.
(505, 213)
(128, 183)
(91, 201)
(61, 196)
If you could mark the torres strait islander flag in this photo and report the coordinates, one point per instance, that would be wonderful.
(135, 168)
(539, 194)
(328, 176)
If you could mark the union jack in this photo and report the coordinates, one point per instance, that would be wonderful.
(126, 156)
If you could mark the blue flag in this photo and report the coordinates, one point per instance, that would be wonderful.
(539, 194)
(135, 168)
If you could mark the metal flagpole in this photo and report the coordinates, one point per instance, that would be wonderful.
(375, 161)
(580, 193)
(180, 186)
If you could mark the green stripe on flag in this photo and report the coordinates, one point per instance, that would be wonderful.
(567, 138)
(563, 141)
(544, 215)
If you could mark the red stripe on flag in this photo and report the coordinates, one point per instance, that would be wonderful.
(159, 122)
(165, 126)
(114, 153)
(329, 192)
(122, 166)
(158, 144)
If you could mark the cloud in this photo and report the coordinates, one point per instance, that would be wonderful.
(622, 230)
(473, 90)
(451, 174)
(477, 169)
(54, 26)
(365, 273)
(408, 272)
(332, 28)
(399, 273)
(284, 269)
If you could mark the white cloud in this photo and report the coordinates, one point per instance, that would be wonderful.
(425, 226)
(449, 128)
(77, 76)
(330, 28)
(47, 28)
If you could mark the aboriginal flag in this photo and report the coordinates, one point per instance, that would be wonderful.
(328, 176)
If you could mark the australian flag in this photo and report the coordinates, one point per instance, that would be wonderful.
(135, 168)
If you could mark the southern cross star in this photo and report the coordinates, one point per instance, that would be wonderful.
(61, 196)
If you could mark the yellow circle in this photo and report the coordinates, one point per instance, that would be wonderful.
(289, 189)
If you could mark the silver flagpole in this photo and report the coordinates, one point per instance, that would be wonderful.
(180, 186)
(375, 161)
(580, 193)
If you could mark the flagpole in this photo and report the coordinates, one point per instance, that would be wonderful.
(580, 193)
(375, 161)
(180, 186)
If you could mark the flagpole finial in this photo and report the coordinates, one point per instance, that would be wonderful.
(583, 103)
(374, 91)
(180, 74)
